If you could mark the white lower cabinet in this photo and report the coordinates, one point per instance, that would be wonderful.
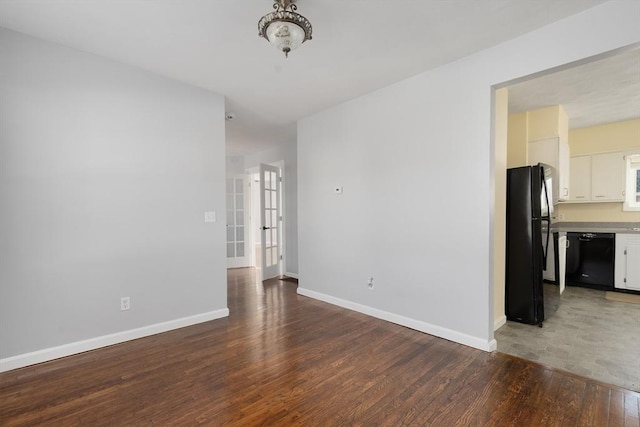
(627, 264)
(562, 260)
(549, 272)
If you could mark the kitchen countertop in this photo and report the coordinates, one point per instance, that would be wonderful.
(597, 227)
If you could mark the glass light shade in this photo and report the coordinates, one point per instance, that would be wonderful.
(285, 36)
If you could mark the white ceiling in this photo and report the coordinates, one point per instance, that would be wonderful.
(358, 46)
(597, 92)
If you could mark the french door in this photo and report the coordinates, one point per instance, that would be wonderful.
(237, 222)
(270, 220)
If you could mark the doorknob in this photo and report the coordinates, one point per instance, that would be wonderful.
(265, 228)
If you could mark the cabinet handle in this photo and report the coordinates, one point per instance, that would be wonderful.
(600, 196)
(579, 197)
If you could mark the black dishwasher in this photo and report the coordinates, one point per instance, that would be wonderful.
(590, 260)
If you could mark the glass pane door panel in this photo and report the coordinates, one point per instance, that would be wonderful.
(267, 180)
(230, 220)
(235, 223)
(269, 220)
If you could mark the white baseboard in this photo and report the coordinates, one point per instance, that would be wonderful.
(418, 325)
(47, 354)
(294, 275)
(499, 322)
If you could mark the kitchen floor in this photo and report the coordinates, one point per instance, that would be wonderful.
(583, 333)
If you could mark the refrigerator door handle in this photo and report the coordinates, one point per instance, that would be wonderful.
(545, 248)
(546, 193)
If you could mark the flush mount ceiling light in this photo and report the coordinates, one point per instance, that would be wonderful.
(285, 29)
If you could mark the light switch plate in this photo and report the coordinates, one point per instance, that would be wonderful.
(210, 216)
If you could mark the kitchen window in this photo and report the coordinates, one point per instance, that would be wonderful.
(632, 190)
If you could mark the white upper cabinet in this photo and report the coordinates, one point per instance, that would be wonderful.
(553, 152)
(608, 177)
(598, 178)
(580, 190)
(564, 170)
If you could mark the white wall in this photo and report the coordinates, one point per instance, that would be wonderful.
(234, 166)
(500, 125)
(288, 153)
(105, 173)
(414, 160)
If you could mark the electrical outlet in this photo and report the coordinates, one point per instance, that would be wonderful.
(561, 217)
(370, 284)
(125, 303)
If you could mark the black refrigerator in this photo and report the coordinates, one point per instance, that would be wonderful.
(528, 209)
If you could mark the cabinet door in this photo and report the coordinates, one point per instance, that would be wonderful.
(564, 170)
(627, 263)
(607, 177)
(580, 170)
(632, 279)
(562, 260)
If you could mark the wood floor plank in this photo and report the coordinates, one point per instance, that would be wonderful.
(616, 408)
(571, 395)
(486, 396)
(446, 384)
(510, 404)
(631, 415)
(602, 403)
(403, 404)
(284, 359)
(587, 414)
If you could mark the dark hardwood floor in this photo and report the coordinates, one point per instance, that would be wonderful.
(284, 359)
